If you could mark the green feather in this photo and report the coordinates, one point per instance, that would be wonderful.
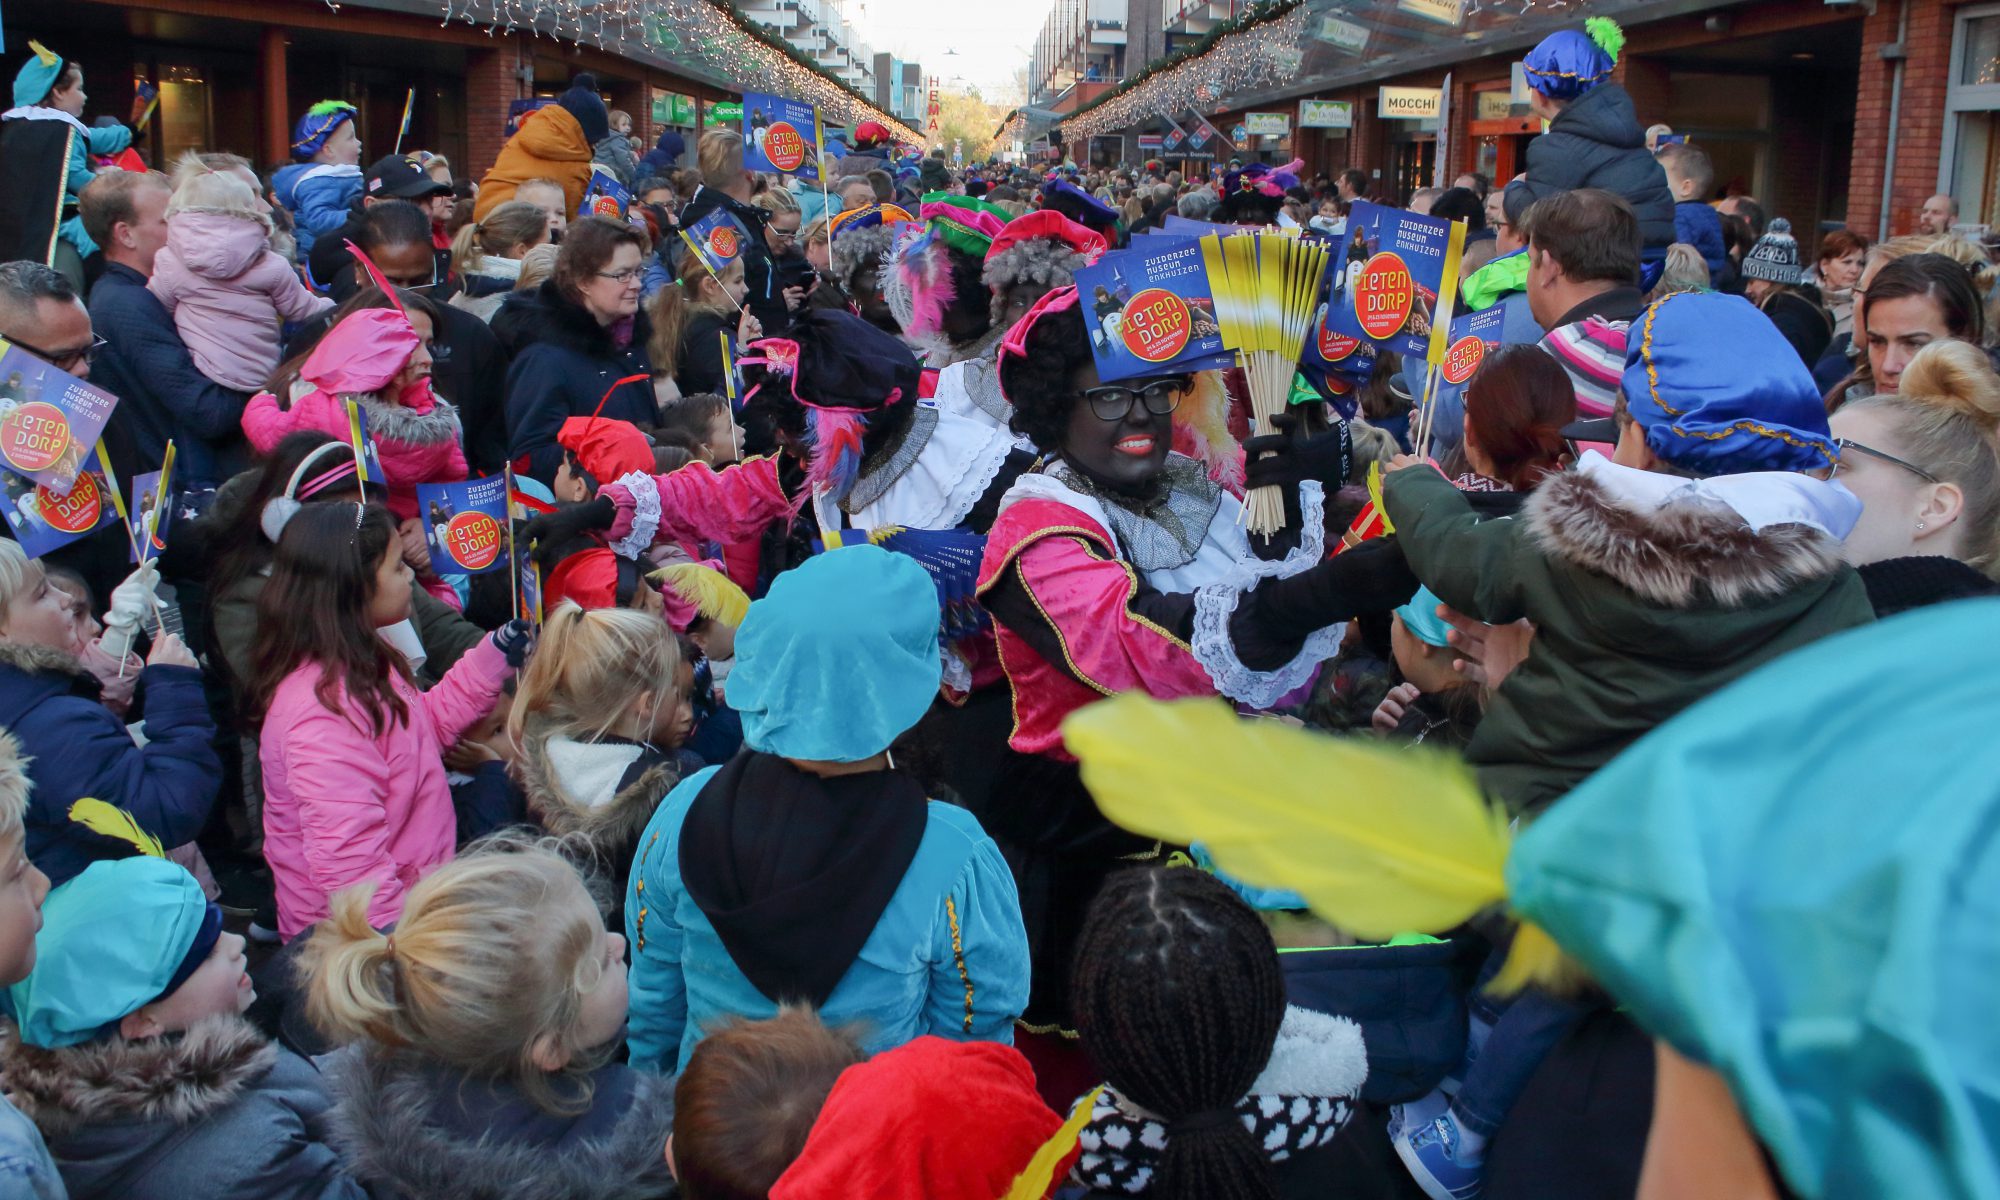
(326, 108)
(1606, 33)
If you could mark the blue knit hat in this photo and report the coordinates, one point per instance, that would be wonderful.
(36, 76)
(1567, 63)
(1719, 391)
(114, 939)
(839, 658)
(1797, 883)
(319, 124)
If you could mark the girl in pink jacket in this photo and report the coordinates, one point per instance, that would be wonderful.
(378, 356)
(354, 778)
(218, 276)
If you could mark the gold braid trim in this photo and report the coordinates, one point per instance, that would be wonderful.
(958, 955)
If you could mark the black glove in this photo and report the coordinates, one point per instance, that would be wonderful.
(1370, 578)
(555, 528)
(1288, 458)
(516, 640)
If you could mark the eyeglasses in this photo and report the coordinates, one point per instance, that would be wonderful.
(625, 276)
(785, 235)
(1113, 402)
(64, 360)
(1847, 444)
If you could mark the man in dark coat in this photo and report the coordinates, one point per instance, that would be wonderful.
(1594, 138)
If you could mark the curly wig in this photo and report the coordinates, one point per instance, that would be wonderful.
(856, 250)
(1037, 385)
(1044, 263)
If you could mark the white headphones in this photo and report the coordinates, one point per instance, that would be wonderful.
(280, 509)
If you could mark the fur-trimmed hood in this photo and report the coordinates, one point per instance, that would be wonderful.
(400, 1124)
(176, 1079)
(49, 671)
(589, 788)
(1686, 553)
(565, 324)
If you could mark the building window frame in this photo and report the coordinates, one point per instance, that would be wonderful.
(1961, 99)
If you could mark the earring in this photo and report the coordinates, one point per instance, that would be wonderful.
(1920, 524)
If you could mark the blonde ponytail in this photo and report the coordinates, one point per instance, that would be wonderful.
(1945, 415)
(488, 966)
(512, 224)
(589, 665)
(675, 308)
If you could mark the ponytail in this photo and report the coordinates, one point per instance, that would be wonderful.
(352, 996)
(515, 223)
(675, 308)
(465, 250)
(588, 666)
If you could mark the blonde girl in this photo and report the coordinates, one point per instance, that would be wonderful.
(688, 318)
(595, 723)
(481, 1033)
(487, 255)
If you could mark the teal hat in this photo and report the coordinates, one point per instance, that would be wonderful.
(1420, 617)
(114, 939)
(36, 76)
(839, 658)
(1797, 883)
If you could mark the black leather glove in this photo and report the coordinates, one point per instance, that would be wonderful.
(1288, 458)
(1371, 578)
(555, 528)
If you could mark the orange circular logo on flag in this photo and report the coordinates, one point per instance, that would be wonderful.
(1335, 346)
(34, 436)
(1155, 325)
(784, 146)
(75, 513)
(605, 206)
(1384, 295)
(1463, 358)
(473, 540)
(722, 242)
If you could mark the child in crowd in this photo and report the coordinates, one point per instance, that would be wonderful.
(44, 129)
(1692, 176)
(486, 255)
(227, 289)
(1433, 703)
(482, 1034)
(380, 358)
(79, 750)
(704, 422)
(691, 316)
(354, 782)
(107, 647)
(321, 186)
(26, 1168)
(747, 1100)
(1212, 1079)
(599, 714)
(134, 1059)
(810, 869)
(597, 451)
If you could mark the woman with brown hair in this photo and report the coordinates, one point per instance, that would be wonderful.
(1515, 410)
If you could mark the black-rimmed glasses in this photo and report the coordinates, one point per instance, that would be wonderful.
(64, 360)
(1847, 444)
(1113, 401)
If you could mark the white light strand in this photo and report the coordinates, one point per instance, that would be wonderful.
(1250, 58)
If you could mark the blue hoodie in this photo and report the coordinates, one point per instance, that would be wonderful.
(1701, 227)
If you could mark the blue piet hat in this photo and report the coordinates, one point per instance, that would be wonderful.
(1568, 63)
(319, 124)
(114, 939)
(36, 76)
(1719, 391)
(1420, 617)
(839, 658)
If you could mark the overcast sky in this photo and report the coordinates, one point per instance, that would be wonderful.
(993, 37)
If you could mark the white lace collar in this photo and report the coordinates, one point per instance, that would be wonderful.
(35, 112)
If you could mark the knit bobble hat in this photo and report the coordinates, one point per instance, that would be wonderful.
(582, 102)
(1775, 257)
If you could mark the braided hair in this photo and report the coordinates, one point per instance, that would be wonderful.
(1178, 997)
(1038, 384)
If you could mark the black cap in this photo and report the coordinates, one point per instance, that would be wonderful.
(1592, 429)
(399, 178)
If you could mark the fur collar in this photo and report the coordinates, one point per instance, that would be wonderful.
(569, 326)
(1679, 554)
(382, 1126)
(41, 660)
(157, 1079)
(573, 787)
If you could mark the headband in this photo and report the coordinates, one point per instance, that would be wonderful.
(281, 508)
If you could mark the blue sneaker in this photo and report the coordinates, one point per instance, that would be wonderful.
(1419, 1112)
(1430, 1153)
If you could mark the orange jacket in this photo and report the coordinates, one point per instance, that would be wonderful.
(549, 145)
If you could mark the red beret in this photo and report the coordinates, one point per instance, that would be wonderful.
(608, 449)
(590, 578)
(871, 133)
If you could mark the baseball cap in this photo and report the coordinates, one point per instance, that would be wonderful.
(400, 178)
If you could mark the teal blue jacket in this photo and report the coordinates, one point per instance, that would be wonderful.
(949, 955)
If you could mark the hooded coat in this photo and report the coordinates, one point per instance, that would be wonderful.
(549, 145)
(615, 154)
(1637, 614)
(565, 370)
(418, 440)
(414, 1130)
(77, 748)
(220, 1111)
(319, 197)
(1597, 142)
(228, 291)
(601, 793)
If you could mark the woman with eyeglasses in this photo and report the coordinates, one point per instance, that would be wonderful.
(1926, 463)
(588, 344)
(1120, 565)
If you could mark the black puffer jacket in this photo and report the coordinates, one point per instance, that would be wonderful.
(1597, 142)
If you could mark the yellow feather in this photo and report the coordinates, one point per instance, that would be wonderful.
(113, 822)
(713, 594)
(1375, 494)
(48, 57)
(1035, 1179)
(1378, 840)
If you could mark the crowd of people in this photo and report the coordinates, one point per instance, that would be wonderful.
(776, 824)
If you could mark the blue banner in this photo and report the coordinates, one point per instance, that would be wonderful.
(780, 135)
(465, 524)
(1149, 311)
(43, 520)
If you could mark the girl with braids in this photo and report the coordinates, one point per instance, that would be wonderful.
(480, 1037)
(1210, 1078)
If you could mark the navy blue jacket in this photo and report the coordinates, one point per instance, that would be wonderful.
(78, 748)
(1701, 227)
(1408, 1000)
(1597, 142)
(161, 393)
(563, 372)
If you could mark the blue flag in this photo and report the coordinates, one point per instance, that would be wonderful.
(465, 524)
(43, 520)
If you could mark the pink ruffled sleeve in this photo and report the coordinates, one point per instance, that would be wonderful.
(696, 503)
(1086, 597)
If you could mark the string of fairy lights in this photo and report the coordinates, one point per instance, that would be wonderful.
(693, 31)
(1259, 56)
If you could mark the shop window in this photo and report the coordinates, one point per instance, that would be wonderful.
(184, 115)
(1969, 169)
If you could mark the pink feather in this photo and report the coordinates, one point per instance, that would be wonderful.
(836, 451)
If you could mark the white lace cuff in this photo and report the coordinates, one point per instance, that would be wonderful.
(645, 515)
(1213, 649)
(1312, 539)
